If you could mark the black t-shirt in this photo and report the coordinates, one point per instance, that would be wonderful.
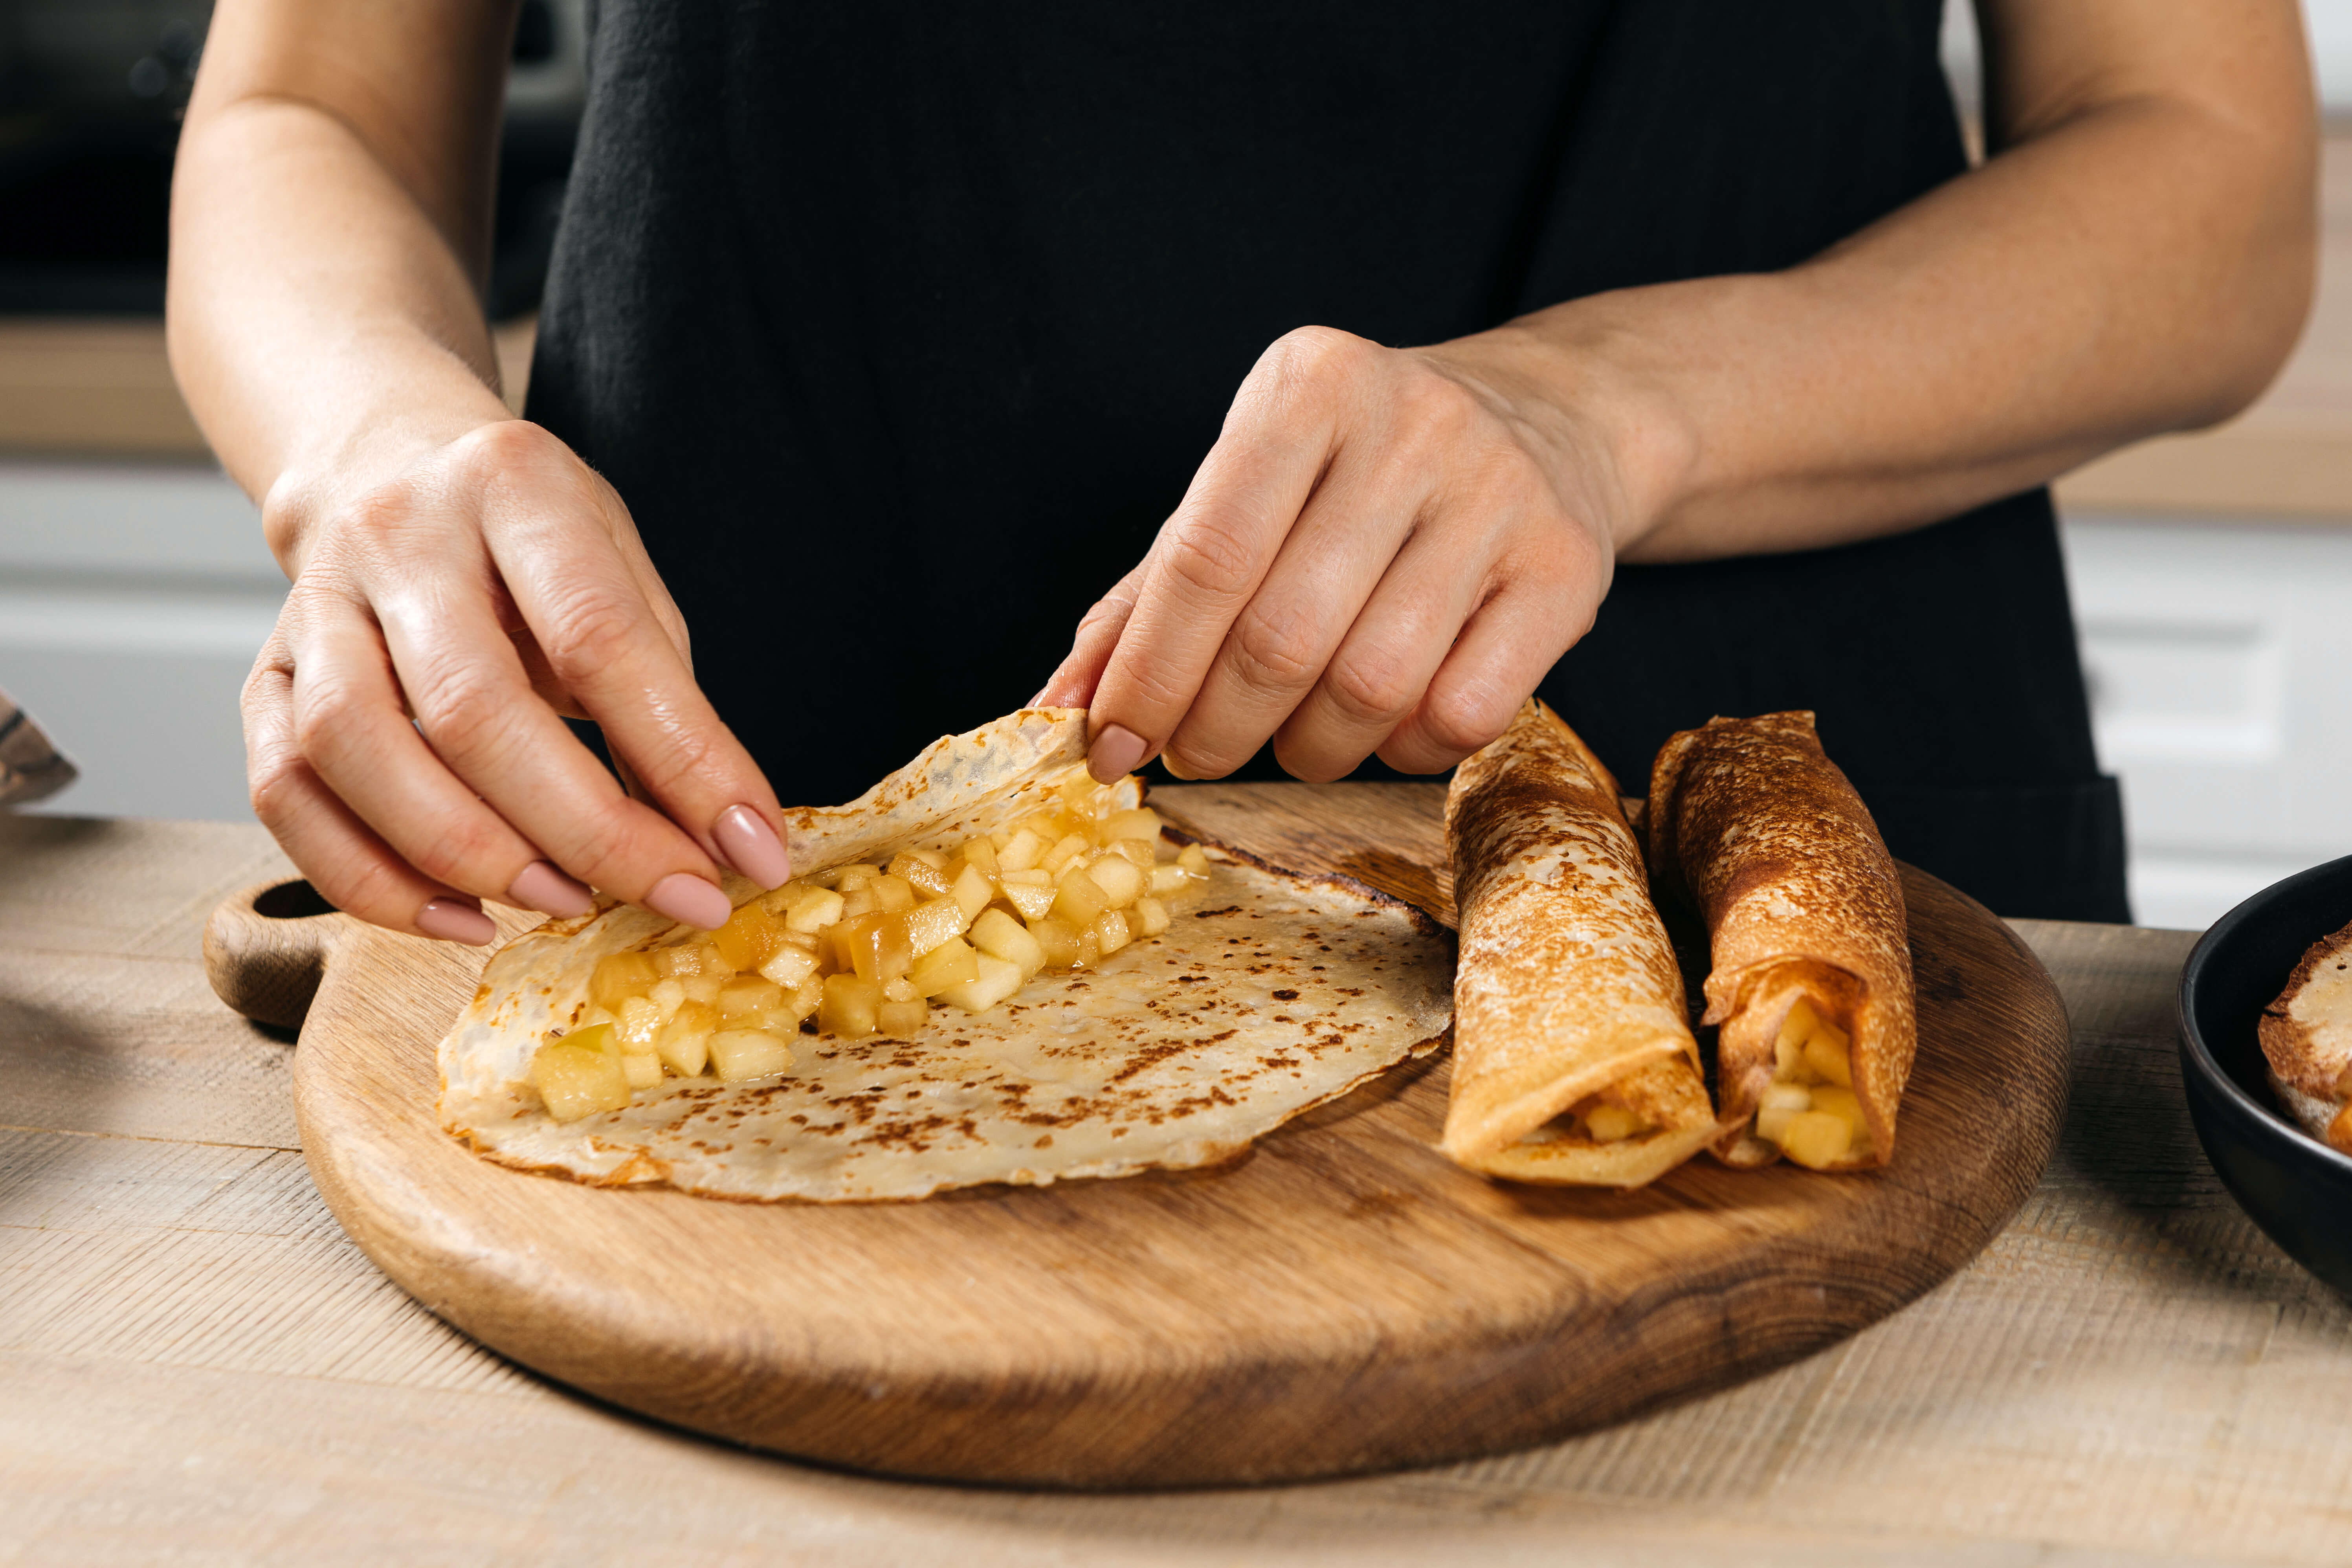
(901, 329)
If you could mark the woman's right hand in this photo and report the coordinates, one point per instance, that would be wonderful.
(487, 587)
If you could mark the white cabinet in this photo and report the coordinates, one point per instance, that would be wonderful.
(134, 598)
(2219, 661)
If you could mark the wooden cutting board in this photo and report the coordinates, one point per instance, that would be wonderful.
(1341, 1299)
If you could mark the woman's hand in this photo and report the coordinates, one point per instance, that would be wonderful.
(1383, 552)
(490, 585)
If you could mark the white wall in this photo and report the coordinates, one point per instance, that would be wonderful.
(2328, 23)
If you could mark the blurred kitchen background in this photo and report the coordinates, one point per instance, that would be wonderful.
(2213, 573)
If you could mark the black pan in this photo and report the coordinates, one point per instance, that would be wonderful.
(2295, 1188)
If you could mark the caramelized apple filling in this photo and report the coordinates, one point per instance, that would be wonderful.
(1809, 1111)
(865, 950)
(1602, 1118)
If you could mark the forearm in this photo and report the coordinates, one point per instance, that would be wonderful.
(320, 324)
(2139, 267)
(329, 235)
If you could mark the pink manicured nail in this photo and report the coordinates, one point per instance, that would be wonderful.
(1116, 753)
(689, 900)
(750, 845)
(543, 888)
(449, 920)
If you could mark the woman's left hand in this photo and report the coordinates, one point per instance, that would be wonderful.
(1383, 552)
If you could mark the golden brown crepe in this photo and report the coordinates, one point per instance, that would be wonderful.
(1812, 959)
(1573, 1057)
(2306, 1035)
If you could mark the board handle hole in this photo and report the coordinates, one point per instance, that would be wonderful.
(295, 901)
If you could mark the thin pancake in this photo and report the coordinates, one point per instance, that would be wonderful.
(2306, 1037)
(1282, 991)
(1566, 998)
(1802, 904)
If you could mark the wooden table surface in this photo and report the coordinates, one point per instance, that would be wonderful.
(198, 1365)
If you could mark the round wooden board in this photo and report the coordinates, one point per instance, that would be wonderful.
(1341, 1299)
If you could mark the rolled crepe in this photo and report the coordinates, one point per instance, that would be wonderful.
(1573, 1057)
(1811, 960)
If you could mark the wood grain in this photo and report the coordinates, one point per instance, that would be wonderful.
(1341, 1299)
(202, 1367)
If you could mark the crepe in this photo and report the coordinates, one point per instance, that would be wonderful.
(1281, 991)
(2306, 1036)
(1573, 1057)
(1811, 960)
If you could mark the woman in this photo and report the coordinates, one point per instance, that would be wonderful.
(880, 337)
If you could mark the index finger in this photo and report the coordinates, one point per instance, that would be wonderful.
(599, 623)
(1214, 550)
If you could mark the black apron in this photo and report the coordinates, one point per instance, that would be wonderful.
(901, 328)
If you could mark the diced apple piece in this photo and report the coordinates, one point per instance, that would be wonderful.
(749, 935)
(1089, 948)
(1816, 1139)
(900, 990)
(849, 1005)
(919, 874)
(1031, 892)
(902, 1017)
(1842, 1103)
(1120, 881)
(859, 900)
(929, 924)
(1195, 861)
(790, 965)
(705, 988)
(1079, 897)
(741, 1054)
(1069, 847)
(1168, 881)
(579, 1076)
(852, 877)
(688, 958)
(640, 1019)
(747, 995)
(973, 889)
(997, 979)
(620, 976)
(981, 853)
(805, 999)
(1825, 1053)
(813, 910)
(1111, 931)
(1607, 1123)
(874, 946)
(892, 895)
(1140, 823)
(999, 935)
(1081, 796)
(681, 1040)
(1135, 851)
(1057, 939)
(642, 1068)
(1150, 916)
(1020, 853)
(952, 962)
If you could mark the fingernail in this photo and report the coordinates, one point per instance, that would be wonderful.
(543, 888)
(752, 847)
(1115, 753)
(447, 920)
(689, 900)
